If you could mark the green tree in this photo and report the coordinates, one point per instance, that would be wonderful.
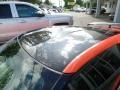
(79, 2)
(67, 3)
(33, 1)
(47, 2)
(70, 0)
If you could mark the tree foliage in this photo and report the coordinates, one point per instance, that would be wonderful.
(47, 2)
(79, 2)
(70, 0)
(32, 1)
(67, 3)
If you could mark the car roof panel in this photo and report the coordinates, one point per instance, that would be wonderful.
(56, 47)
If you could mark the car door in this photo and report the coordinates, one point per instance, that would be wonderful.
(27, 19)
(8, 25)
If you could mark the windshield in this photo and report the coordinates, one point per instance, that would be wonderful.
(18, 71)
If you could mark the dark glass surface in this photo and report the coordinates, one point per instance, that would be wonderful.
(78, 83)
(5, 11)
(26, 11)
(18, 71)
(57, 46)
(102, 71)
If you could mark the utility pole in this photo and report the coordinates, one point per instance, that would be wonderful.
(117, 13)
(98, 8)
(59, 2)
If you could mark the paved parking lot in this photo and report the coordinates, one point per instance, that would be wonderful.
(82, 19)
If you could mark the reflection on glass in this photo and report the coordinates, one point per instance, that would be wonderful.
(18, 71)
(36, 38)
(10, 50)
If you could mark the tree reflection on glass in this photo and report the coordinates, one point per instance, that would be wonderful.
(10, 50)
(5, 70)
(5, 78)
(36, 38)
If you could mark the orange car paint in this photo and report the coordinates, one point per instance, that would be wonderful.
(116, 84)
(78, 62)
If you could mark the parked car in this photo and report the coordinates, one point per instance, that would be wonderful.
(61, 58)
(18, 17)
(53, 10)
(93, 10)
(45, 10)
(79, 9)
(83, 9)
(105, 26)
(114, 27)
(111, 16)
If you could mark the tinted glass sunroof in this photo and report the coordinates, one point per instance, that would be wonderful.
(56, 47)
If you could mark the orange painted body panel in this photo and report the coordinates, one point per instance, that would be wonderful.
(116, 84)
(78, 62)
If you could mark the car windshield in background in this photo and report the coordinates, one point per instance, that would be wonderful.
(56, 47)
(18, 71)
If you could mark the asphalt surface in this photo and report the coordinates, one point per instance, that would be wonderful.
(82, 19)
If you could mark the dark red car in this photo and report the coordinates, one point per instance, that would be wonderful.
(61, 58)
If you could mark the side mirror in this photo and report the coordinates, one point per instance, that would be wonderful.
(39, 14)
